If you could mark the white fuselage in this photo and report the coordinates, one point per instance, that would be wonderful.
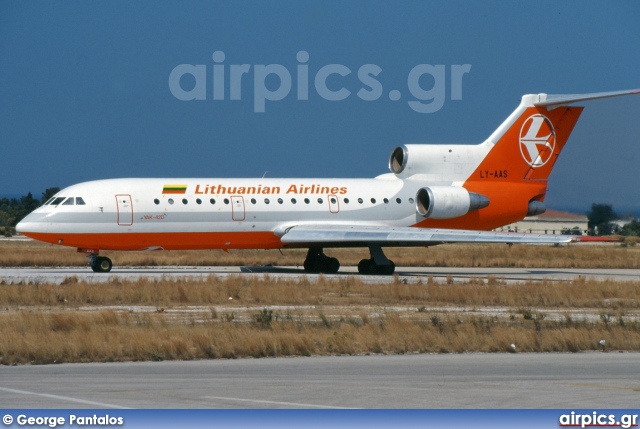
(243, 207)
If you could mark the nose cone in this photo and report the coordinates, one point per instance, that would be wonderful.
(22, 227)
(32, 223)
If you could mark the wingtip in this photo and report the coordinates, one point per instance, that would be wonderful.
(595, 239)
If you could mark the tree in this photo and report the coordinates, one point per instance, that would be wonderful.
(29, 203)
(13, 210)
(601, 219)
(632, 228)
(48, 193)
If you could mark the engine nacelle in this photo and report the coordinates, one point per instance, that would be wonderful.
(398, 160)
(446, 202)
(437, 162)
(535, 208)
(410, 159)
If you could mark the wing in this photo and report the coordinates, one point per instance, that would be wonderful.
(406, 236)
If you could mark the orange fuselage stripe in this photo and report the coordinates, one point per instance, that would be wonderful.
(164, 240)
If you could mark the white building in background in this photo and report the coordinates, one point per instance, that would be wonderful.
(550, 222)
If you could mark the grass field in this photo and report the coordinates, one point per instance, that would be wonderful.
(246, 316)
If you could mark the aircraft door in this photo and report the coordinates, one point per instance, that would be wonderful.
(237, 208)
(334, 204)
(124, 209)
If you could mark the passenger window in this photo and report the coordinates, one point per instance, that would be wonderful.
(280, 201)
(360, 200)
(170, 200)
(411, 200)
(57, 201)
(80, 201)
(266, 201)
(373, 200)
(306, 201)
(156, 201)
(69, 201)
(212, 201)
(398, 200)
(226, 200)
(319, 200)
(198, 201)
(293, 201)
(386, 200)
(346, 200)
(253, 200)
(185, 201)
(333, 200)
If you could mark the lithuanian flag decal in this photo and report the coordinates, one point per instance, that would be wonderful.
(174, 189)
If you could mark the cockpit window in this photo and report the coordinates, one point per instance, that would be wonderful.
(67, 201)
(49, 202)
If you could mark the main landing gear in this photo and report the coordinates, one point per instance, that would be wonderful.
(100, 264)
(318, 262)
(377, 264)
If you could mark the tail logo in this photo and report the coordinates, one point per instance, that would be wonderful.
(537, 140)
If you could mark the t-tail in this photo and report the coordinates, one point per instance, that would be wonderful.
(506, 176)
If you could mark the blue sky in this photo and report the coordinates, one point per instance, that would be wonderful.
(85, 94)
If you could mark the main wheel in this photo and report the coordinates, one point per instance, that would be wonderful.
(365, 265)
(311, 265)
(102, 264)
(368, 266)
(387, 270)
(331, 265)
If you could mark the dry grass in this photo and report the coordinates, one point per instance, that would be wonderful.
(194, 319)
(32, 254)
(109, 336)
(345, 291)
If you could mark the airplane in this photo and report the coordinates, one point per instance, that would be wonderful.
(433, 194)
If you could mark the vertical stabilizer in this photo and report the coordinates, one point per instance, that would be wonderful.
(527, 145)
(522, 152)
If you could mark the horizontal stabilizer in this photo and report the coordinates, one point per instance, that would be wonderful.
(554, 100)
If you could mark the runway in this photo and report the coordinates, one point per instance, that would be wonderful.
(582, 380)
(406, 274)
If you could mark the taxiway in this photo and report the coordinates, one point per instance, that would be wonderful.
(407, 274)
(476, 380)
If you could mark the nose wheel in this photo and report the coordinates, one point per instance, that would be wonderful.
(100, 264)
